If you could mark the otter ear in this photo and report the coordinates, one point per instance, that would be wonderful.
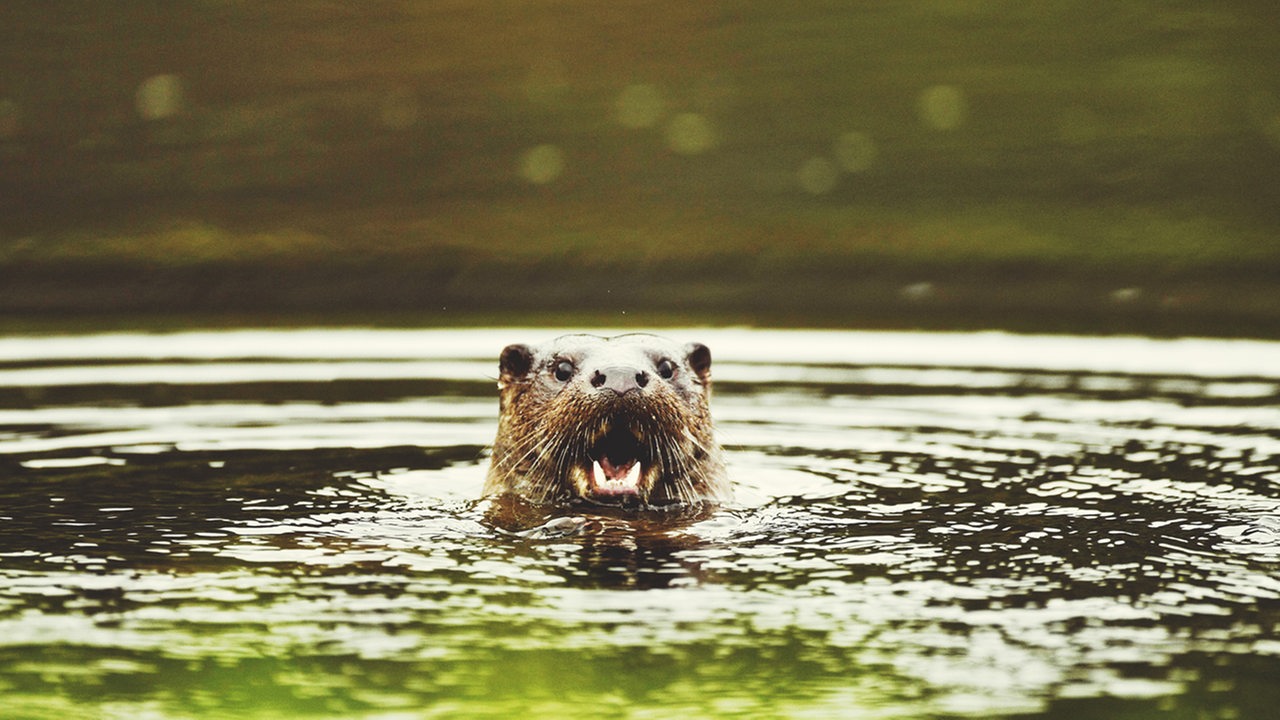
(699, 358)
(515, 362)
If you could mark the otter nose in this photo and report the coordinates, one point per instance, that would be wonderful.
(621, 380)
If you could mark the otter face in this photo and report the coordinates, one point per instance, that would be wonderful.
(615, 421)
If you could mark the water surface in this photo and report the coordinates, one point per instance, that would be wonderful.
(285, 523)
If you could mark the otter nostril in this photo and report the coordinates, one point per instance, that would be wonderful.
(619, 379)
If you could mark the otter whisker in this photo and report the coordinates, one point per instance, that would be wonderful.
(610, 420)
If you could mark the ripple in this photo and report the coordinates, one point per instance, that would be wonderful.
(924, 525)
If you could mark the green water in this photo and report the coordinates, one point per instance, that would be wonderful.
(285, 524)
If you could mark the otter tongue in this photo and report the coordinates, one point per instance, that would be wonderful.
(616, 480)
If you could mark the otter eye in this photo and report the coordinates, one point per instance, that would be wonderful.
(666, 369)
(564, 370)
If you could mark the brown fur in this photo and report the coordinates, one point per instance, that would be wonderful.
(557, 412)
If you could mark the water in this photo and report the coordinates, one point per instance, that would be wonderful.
(285, 523)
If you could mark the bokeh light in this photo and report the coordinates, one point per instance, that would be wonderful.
(818, 176)
(690, 134)
(855, 151)
(542, 164)
(918, 291)
(160, 97)
(943, 107)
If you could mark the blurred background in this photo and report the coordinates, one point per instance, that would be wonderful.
(1056, 165)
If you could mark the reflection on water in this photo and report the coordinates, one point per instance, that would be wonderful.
(266, 523)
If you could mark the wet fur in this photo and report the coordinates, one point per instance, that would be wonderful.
(545, 426)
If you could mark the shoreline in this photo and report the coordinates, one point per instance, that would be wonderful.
(35, 298)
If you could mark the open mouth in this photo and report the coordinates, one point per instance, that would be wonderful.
(618, 465)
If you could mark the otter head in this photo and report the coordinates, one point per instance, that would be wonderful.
(613, 421)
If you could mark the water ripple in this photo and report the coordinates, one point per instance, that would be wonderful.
(925, 525)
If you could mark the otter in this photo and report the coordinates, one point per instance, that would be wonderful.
(616, 421)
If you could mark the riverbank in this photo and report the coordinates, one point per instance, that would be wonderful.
(1024, 267)
(946, 166)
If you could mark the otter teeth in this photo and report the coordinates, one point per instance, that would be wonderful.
(608, 481)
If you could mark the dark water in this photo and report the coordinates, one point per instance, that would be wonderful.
(268, 524)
